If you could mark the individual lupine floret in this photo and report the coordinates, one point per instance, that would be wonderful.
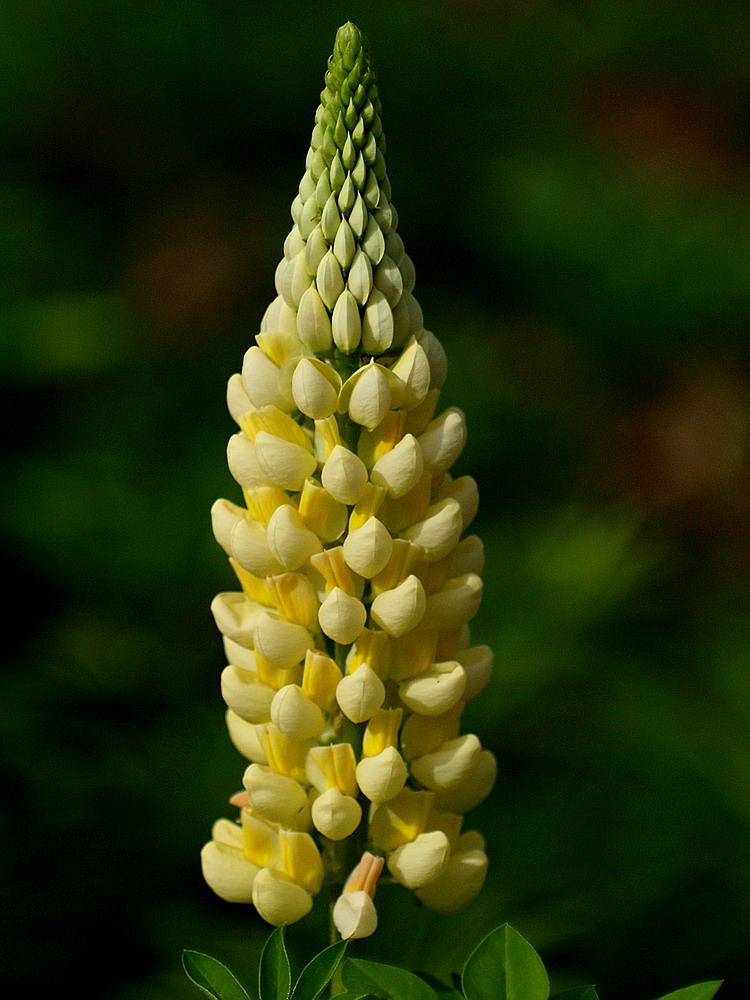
(350, 629)
(354, 914)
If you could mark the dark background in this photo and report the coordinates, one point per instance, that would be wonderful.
(573, 182)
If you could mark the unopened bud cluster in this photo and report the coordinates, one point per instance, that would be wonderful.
(348, 643)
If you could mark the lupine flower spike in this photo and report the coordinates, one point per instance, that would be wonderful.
(348, 649)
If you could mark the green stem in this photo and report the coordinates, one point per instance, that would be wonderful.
(337, 982)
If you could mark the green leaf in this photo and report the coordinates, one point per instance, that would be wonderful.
(441, 990)
(213, 978)
(385, 981)
(274, 975)
(505, 967)
(317, 974)
(578, 993)
(701, 991)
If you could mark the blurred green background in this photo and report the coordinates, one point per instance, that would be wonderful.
(573, 182)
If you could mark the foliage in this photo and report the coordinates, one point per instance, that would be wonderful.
(503, 966)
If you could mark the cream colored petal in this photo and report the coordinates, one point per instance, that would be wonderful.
(420, 862)
(294, 280)
(383, 776)
(285, 463)
(465, 491)
(289, 540)
(235, 616)
(422, 733)
(435, 691)
(377, 324)
(278, 330)
(360, 694)
(400, 610)
(335, 815)
(281, 642)
(413, 368)
(367, 549)
(246, 695)
(240, 656)
(275, 796)
(228, 872)
(344, 245)
(354, 915)
(458, 884)
(366, 395)
(260, 378)
(315, 388)
(225, 516)
(443, 440)
(346, 323)
(401, 512)
(448, 767)
(455, 604)
(359, 282)
(278, 899)
(238, 401)
(243, 462)
(474, 789)
(316, 247)
(313, 323)
(439, 530)
(226, 832)
(477, 664)
(400, 469)
(293, 244)
(321, 513)
(329, 280)
(341, 616)
(344, 475)
(245, 738)
(370, 397)
(295, 715)
(242, 538)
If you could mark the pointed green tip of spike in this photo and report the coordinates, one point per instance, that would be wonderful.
(350, 47)
(348, 35)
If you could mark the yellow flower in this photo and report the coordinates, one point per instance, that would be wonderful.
(348, 651)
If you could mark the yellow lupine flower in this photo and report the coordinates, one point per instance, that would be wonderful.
(349, 658)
